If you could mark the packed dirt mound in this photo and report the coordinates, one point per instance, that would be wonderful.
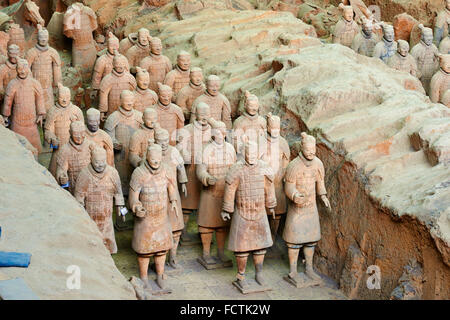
(39, 217)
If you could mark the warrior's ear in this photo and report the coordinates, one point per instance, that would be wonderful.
(245, 138)
(341, 6)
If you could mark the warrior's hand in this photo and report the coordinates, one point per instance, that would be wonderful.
(6, 120)
(184, 189)
(55, 142)
(140, 211)
(299, 198)
(93, 94)
(40, 120)
(103, 116)
(272, 212)
(211, 180)
(120, 214)
(117, 146)
(326, 202)
(225, 215)
(174, 207)
(63, 179)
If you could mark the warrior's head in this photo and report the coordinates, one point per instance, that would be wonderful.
(250, 151)
(347, 12)
(273, 125)
(184, 60)
(447, 4)
(402, 48)
(196, 76)
(308, 146)
(112, 43)
(156, 46)
(251, 103)
(154, 155)
(22, 68)
(367, 26)
(427, 35)
(162, 138)
(444, 62)
(13, 53)
(164, 94)
(218, 131)
(388, 32)
(213, 85)
(120, 62)
(98, 159)
(143, 36)
(202, 113)
(150, 118)
(42, 36)
(142, 78)
(127, 100)
(63, 95)
(77, 132)
(93, 119)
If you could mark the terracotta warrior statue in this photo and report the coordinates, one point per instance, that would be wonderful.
(151, 189)
(402, 60)
(157, 64)
(191, 142)
(104, 63)
(139, 50)
(387, 47)
(79, 23)
(173, 161)
(249, 190)
(444, 46)
(170, 116)
(179, 77)
(425, 53)
(45, 65)
(192, 91)
(275, 152)
(8, 69)
(113, 84)
(143, 96)
(140, 139)
(99, 137)
(127, 42)
(74, 156)
(305, 178)
(250, 123)
(219, 104)
(57, 124)
(121, 125)
(440, 83)
(23, 106)
(346, 29)
(218, 156)
(97, 189)
(365, 41)
(440, 24)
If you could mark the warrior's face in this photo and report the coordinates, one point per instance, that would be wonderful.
(64, 98)
(219, 134)
(78, 135)
(93, 123)
(156, 47)
(445, 63)
(252, 107)
(202, 115)
(112, 46)
(119, 65)
(184, 62)
(427, 38)
(196, 78)
(251, 153)
(309, 150)
(13, 55)
(128, 102)
(367, 28)
(154, 158)
(389, 34)
(165, 97)
(163, 142)
(43, 39)
(99, 162)
(213, 87)
(150, 119)
(447, 4)
(348, 15)
(143, 81)
(274, 129)
(143, 37)
(22, 69)
(403, 49)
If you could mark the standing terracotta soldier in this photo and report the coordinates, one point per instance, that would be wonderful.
(104, 64)
(305, 178)
(144, 97)
(440, 83)
(24, 104)
(402, 60)
(121, 125)
(365, 41)
(192, 91)
(170, 116)
(140, 139)
(179, 77)
(192, 140)
(139, 50)
(249, 190)
(151, 189)
(219, 104)
(275, 152)
(174, 163)
(97, 189)
(444, 46)
(45, 65)
(8, 69)
(57, 124)
(127, 42)
(157, 64)
(218, 156)
(113, 84)
(250, 123)
(99, 137)
(440, 24)
(346, 29)
(425, 53)
(387, 47)
(79, 23)
(74, 156)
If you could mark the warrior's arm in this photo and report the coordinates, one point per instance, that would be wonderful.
(103, 97)
(118, 195)
(81, 188)
(202, 173)
(226, 114)
(57, 76)
(49, 130)
(269, 188)
(97, 74)
(8, 101)
(435, 89)
(231, 185)
(39, 94)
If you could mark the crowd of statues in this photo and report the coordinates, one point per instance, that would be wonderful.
(426, 60)
(163, 143)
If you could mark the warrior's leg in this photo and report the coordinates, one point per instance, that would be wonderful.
(258, 259)
(293, 251)
(221, 236)
(274, 224)
(241, 261)
(308, 250)
(143, 262)
(160, 259)
(173, 252)
(206, 235)
(186, 215)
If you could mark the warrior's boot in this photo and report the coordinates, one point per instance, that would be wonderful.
(241, 261)
(221, 235)
(159, 266)
(143, 263)
(258, 260)
(309, 253)
(293, 257)
(206, 242)
(173, 252)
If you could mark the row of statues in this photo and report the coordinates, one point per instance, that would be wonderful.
(424, 61)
